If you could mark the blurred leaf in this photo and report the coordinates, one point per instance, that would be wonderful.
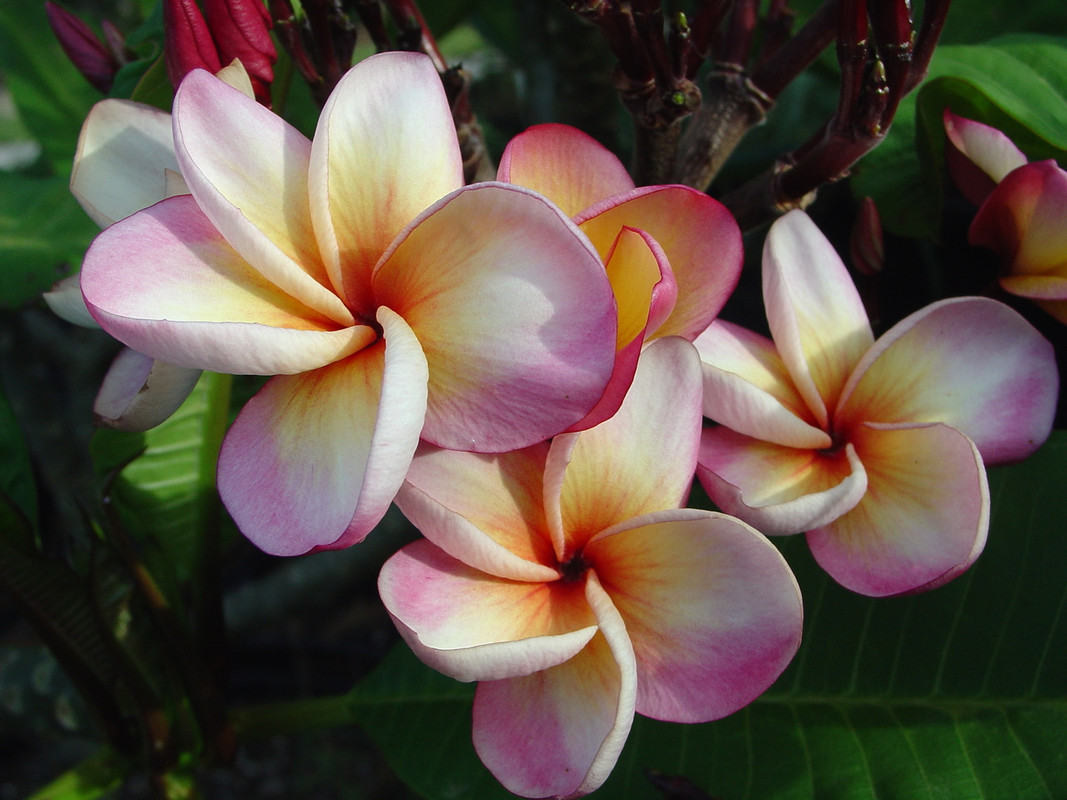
(166, 495)
(51, 95)
(957, 693)
(97, 775)
(56, 601)
(979, 20)
(43, 235)
(1017, 83)
(16, 474)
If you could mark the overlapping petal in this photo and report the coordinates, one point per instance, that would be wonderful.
(699, 237)
(166, 283)
(778, 489)
(258, 203)
(566, 165)
(517, 318)
(979, 156)
(643, 458)
(815, 314)
(139, 392)
(969, 362)
(748, 389)
(924, 519)
(384, 150)
(1022, 220)
(314, 460)
(123, 150)
(710, 605)
(484, 510)
(578, 713)
(476, 627)
(645, 295)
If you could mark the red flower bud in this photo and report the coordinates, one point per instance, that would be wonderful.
(85, 50)
(241, 29)
(188, 44)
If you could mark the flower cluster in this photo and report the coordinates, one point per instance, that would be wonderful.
(1021, 210)
(525, 365)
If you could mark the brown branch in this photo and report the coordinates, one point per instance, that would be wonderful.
(869, 96)
(735, 101)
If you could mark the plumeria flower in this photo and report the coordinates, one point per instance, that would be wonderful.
(125, 162)
(567, 580)
(388, 299)
(673, 254)
(1022, 211)
(876, 448)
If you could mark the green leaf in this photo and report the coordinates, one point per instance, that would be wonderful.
(51, 95)
(165, 496)
(957, 693)
(1017, 84)
(43, 236)
(97, 775)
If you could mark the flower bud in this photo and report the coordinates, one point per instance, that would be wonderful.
(85, 50)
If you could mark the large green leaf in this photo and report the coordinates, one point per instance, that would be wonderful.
(958, 693)
(165, 493)
(43, 235)
(1017, 83)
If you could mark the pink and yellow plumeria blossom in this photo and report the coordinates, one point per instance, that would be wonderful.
(388, 300)
(1023, 217)
(673, 254)
(875, 448)
(566, 578)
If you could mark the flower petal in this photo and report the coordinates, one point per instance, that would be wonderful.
(66, 301)
(483, 510)
(1022, 220)
(1036, 287)
(815, 314)
(984, 148)
(559, 732)
(922, 522)
(385, 149)
(314, 460)
(569, 167)
(748, 389)
(514, 312)
(640, 274)
(700, 238)
(123, 150)
(712, 609)
(165, 283)
(473, 626)
(139, 392)
(776, 489)
(645, 293)
(924, 370)
(248, 170)
(642, 459)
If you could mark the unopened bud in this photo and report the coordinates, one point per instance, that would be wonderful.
(241, 30)
(188, 44)
(92, 57)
